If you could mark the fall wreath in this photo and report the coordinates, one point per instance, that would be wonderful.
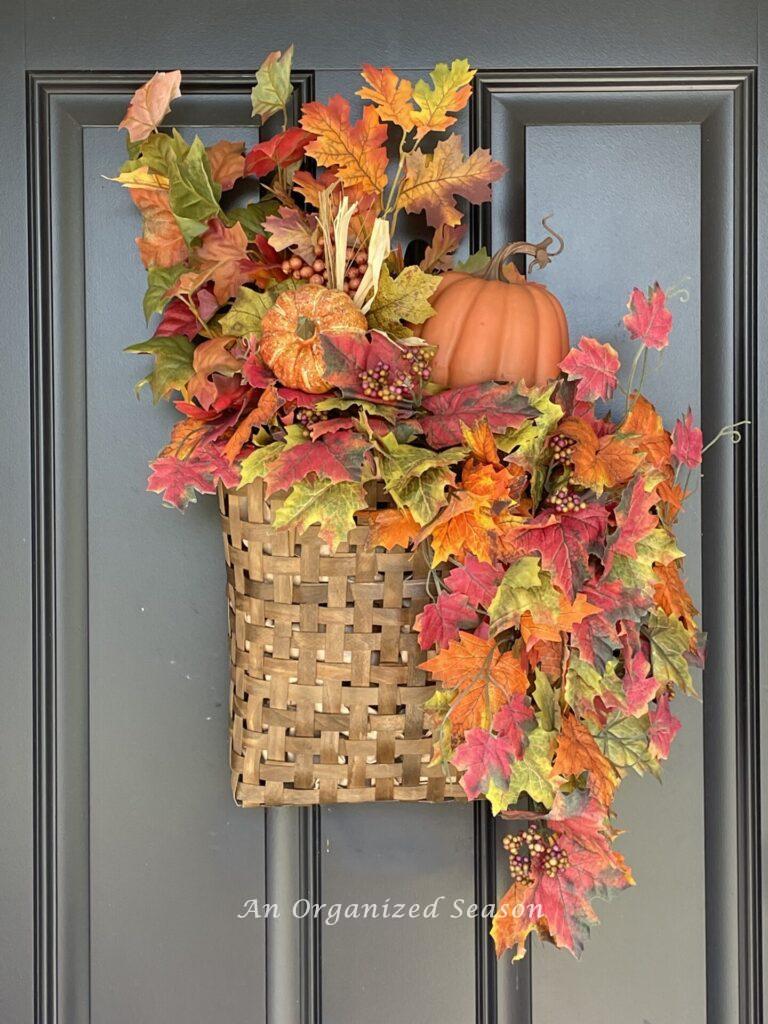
(301, 350)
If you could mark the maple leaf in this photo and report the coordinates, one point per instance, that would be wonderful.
(336, 457)
(584, 684)
(476, 580)
(688, 441)
(211, 356)
(331, 506)
(390, 95)
(357, 152)
(223, 259)
(391, 528)
(266, 408)
(487, 758)
(647, 429)
(663, 729)
(161, 243)
(577, 752)
(559, 907)
(563, 541)
(273, 86)
(227, 162)
(255, 466)
(639, 686)
(441, 622)
(623, 739)
(283, 150)
(600, 462)
(177, 479)
(480, 441)
(648, 319)
(432, 180)
(173, 364)
(671, 595)
(402, 298)
(450, 92)
(530, 774)
(669, 644)
(501, 405)
(482, 677)
(150, 103)
(594, 366)
(634, 521)
(522, 588)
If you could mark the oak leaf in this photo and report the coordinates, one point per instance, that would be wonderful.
(433, 180)
(449, 92)
(390, 95)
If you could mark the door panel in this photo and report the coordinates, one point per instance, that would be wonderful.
(143, 862)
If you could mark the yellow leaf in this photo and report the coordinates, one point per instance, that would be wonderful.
(450, 91)
(142, 177)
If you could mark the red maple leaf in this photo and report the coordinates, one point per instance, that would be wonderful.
(178, 318)
(648, 319)
(634, 521)
(559, 905)
(337, 457)
(485, 757)
(476, 580)
(280, 151)
(442, 621)
(177, 479)
(687, 442)
(500, 404)
(563, 541)
(639, 686)
(664, 727)
(594, 366)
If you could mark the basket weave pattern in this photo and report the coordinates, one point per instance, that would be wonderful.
(326, 700)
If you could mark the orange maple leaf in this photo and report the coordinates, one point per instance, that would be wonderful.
(392, 527)
(480, 441)
(484, 679)
(267, 406)
(536, 627)
(392, 96)
(600, 462)
(671, 595)
(463, 526)
(647, 430)
(578, 752)
(356, 151)
(672, 496)
(162, 243)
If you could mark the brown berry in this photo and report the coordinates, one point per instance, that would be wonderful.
(296, 262)
(318, 266)
(306, 272)
(286, 266)
(296, 275)
(317, 279)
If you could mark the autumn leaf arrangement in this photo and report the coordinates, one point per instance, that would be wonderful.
(559, 627)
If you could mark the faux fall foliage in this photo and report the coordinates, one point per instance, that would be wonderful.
(561, 627)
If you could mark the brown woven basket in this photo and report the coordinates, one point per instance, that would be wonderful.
(326, 700)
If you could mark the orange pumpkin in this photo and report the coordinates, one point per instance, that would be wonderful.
(497, 325)
(290, 333)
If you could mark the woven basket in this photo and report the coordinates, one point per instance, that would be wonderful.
(326, 700)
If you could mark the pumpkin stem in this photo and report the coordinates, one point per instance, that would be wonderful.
(495, 271)
(305, 328)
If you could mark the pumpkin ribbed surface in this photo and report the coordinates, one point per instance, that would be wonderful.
(290, 333)
(494, 330)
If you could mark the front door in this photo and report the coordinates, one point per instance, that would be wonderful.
(139, 889)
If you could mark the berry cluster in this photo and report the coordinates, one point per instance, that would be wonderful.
(543, 852)
(566, 499)
(562, 449)
(315, 271)
(306, 417)
(384, 385)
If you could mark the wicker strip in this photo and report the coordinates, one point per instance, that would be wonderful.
(326, 700)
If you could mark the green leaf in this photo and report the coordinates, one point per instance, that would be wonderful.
(529, 442)
(584, 683)
(546, 701)
(253, 215)
(658, 546)
(193, 194)
(244, 316)
(403, 461)
(160, 151)
(255, 466)
(416, 477)
(623, 740)
(524, 587)
(423, 496)
(386, 412)
(330, 505)
(531, 775)
(402, 298)
(474, 264)
(273, 86)
(632, 572)
(173, 363)
(669, 644)
(159, 280)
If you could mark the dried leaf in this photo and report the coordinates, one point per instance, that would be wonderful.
(150, 104)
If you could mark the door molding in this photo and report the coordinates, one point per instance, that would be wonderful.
(723, 101)
(59, 555)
